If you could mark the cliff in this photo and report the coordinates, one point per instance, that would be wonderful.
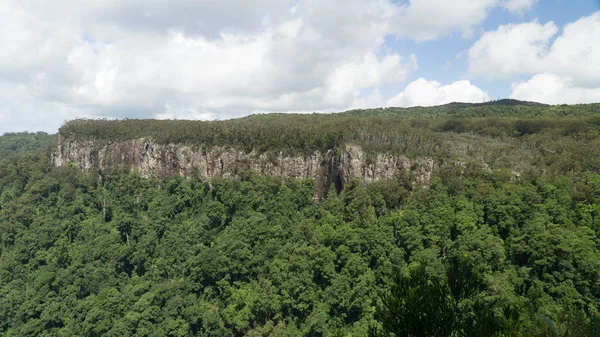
(153, 159)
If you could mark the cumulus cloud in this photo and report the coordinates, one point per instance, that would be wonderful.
(429, 93)
(371, 72)
(430, 19)
(206, 59)
(209, 59)
(373, 100)
(518, 6)
(563, 67)
(195, 18)
(553, 89)
(511, 50)
(186, 112)
(576, 52)
(527, 48)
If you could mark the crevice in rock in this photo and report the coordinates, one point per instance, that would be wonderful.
(339, 183)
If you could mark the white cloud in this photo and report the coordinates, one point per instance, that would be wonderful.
(528, 48)
(195, 18)
(429, 93)
(553, 89)
(511, 50)
(19, 110)
(430, 19)
(350, 77)
(200, 58)
(209, 58)
(576, 52)
(187, 113)
(563, 70)
(373, 100)
(518, 6)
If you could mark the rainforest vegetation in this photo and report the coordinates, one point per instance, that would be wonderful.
(477, 252)
(553, 144)
(15, 143)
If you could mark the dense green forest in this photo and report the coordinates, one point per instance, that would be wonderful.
(478, 252)
(543, 145)
(14, 143)
(498, 108)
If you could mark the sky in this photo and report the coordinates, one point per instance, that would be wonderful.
(219, 59)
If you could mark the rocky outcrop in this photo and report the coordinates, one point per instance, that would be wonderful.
(151, 159)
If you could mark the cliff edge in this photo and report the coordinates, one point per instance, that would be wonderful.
(159, 160)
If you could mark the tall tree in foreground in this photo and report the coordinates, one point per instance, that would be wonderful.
(417, 305)
(423, 305)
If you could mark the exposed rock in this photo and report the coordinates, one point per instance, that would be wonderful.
(151, 159)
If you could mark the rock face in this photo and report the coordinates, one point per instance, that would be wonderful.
(151, 159)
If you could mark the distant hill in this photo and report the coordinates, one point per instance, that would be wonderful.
(457, 220)
(508, 102)
(500, 108)
(15, 143)
(517, 136)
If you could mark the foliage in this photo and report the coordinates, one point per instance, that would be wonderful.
(497, 108)
(287, 133)
(553, 143)
(477, 252)
(420, 304)
(23, 142)
(108, 253)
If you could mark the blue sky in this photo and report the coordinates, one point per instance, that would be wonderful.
(223, 59)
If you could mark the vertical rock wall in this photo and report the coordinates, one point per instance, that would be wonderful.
(151, 159)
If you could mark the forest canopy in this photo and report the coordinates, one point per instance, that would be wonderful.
(14, 143)
(477, 252)
(108, 253)
(524, 137)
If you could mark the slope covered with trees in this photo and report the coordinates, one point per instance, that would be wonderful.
(14, 143)
(480, 251)
(545, 145)
(499, 108)
(112, 254)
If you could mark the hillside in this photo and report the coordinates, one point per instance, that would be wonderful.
(336, 148)
(440, 226)
(23, 142)
(499, 108)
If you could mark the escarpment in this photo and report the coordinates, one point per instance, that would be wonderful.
(149, 158)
